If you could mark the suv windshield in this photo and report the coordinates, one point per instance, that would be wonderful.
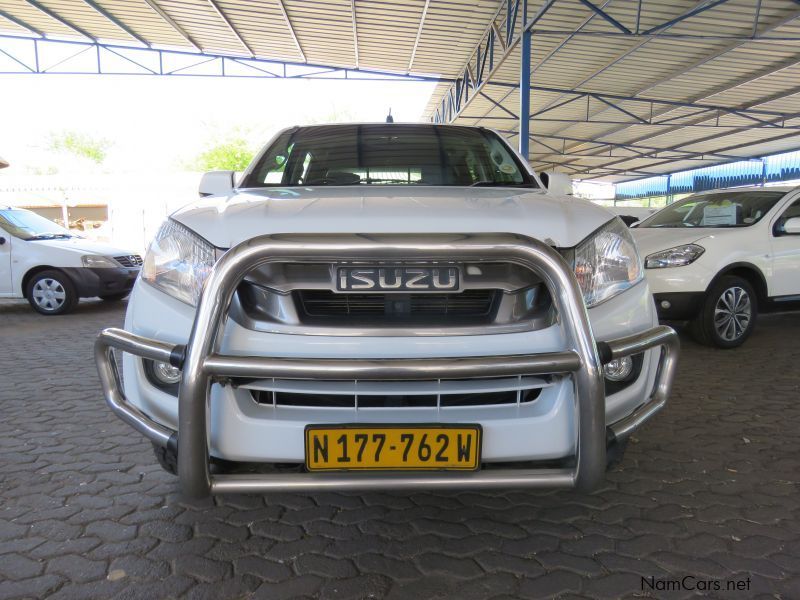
(723, 209)
(27, 225)
(388, 154)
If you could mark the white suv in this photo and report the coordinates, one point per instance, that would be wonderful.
(719, 257)
(388, 306)
(53, 268)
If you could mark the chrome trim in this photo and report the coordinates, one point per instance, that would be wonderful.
(667, 338)
(112, 386)
(216, 366)
(317, 482)
(233, 267)
(204, 364)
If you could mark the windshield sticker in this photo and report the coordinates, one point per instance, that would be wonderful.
(720, 215)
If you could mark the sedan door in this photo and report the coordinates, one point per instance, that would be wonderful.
(786, 255)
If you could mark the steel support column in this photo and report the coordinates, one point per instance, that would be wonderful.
(525, 87)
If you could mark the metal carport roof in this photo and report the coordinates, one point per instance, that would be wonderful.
(619, 89)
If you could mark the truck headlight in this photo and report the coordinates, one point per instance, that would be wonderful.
(607, 263)
(680, 256)
(178, 262)
(95, 261)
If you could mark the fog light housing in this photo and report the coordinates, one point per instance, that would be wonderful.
(618, 369)
(166, 374)
(163, 376)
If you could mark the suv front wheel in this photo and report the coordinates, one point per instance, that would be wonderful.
(728, 315)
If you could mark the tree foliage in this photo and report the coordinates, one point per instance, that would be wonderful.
(81, 145)
(231, 155)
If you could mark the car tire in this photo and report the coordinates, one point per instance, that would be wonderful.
(728, 315)
(115, 297)
(51, 293)
(167, 458)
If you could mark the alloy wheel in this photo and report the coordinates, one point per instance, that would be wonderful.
(732, 313)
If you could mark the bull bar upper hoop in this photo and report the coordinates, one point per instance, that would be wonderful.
(201, 362)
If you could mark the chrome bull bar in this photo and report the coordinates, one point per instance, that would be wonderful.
(202, 363)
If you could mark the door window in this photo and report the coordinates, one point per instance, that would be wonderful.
(789, 213)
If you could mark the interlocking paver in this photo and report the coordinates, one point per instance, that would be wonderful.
(81, 498)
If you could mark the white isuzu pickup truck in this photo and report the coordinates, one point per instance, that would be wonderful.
(388, 306)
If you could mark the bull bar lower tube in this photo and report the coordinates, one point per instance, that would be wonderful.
(233, 266)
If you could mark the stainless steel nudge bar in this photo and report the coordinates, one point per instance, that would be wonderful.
(202, 362)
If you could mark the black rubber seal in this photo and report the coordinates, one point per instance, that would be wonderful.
(604, 352)
(177, 356)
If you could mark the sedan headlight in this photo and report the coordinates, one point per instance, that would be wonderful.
(95, 261)
(178, 262)
(607, 263)
(680, 256)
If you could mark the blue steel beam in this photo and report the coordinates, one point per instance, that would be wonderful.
(525, 89)
(687, 15)
(606, 17)
(487, 44)
(135, 55)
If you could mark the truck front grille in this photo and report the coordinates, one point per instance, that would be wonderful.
(302, 298)
(469, 304)
(129, 261)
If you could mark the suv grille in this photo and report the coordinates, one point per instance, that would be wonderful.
(129, 261)
(468, 304)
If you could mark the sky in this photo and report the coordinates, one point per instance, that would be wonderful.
(158, 123)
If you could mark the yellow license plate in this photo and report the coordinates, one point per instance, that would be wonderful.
(393, 447)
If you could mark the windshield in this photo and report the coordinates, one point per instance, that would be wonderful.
(722, 209)
(388, 154)
(27, 225)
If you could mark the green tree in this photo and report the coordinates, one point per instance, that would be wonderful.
(233, 154)
(81, 145)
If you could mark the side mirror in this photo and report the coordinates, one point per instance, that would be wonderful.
(557, 183)
(791, 226)
(217, 183)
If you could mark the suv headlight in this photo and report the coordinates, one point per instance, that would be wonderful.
(680, 256)
(178, 262)
(95, 261)
(607, 263)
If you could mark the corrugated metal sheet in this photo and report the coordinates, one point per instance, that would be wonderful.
(710, 59)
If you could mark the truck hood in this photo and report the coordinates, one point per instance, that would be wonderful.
(81, 246)
(561, 221)
(653, 239)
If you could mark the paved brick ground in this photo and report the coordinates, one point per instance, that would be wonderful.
(710, 489)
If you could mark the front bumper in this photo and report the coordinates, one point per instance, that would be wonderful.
(91, 282)
(203, 365)
(679, 306)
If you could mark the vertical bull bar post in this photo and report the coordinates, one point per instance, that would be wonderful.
(233, 266)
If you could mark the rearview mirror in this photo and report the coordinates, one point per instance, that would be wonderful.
(792, 226)
(217, 183)
(557, 183)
